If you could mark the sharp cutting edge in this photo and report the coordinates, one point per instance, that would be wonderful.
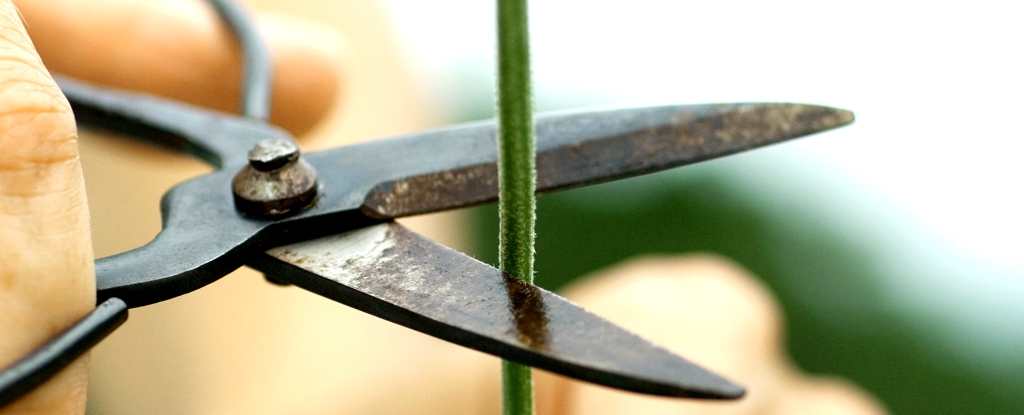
(393, 273)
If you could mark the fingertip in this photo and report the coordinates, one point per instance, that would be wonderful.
(825, 395)
(703, 306)
(711, 310)
(553, 393)
(311, 71)
(183, 51)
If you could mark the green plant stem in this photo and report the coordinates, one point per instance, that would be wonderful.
(516, 177)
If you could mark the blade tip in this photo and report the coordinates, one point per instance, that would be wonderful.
(832, 117)
(730, 392)
(845, 117)
(724, 390)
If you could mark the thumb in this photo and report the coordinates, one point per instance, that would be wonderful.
(46, 275)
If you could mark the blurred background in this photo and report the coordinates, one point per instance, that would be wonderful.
(894, 244)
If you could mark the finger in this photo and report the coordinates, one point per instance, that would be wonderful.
(704, 307)
(46, 277)
(181, 50)
(700, 307)
(712, 312)
(825, 397)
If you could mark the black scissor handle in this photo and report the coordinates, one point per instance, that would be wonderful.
(216, 138)
(219, 139)
(24, 375)
(188, 129)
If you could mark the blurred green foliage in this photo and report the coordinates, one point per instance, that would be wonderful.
(823, 277)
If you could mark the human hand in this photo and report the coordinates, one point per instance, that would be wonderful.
(713, 312)
(181, 50)
(47, 278)
(177, 49)
(702, 307)
(775, 389)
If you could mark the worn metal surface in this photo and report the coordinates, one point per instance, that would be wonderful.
(405, 278)
(381, 268)
(618, 144)
(272, 153)
(204, 237)
(276, 181)
(393, 273)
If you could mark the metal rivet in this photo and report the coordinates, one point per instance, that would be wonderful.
(276, 182)
(273, 153)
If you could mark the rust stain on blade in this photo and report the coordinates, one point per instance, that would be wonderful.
(363, 258)
(526, 303)
(393, 273)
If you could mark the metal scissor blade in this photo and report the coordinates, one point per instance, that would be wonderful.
(577, 149)
(391, 272)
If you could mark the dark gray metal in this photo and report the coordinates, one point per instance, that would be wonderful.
(276, 182)
(24, 375)
(581, 148)
(219, 139)
(273, 153)
(257, 65)
(156, 124)
(363, 185)
(204, 238)
(392, 273)
(385, 269)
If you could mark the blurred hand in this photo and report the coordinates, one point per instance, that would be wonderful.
(47, 280)
(712, 312)
(702, 307)
(181, 50)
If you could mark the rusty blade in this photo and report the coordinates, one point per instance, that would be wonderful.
(576, 149)
(391, 272)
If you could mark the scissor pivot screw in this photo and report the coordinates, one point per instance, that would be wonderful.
(272, 154)
(276, 181)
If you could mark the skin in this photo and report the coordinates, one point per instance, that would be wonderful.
(713, 312)
(74, 38)
(207, 352)
(46, 281)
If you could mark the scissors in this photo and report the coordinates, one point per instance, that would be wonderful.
(324, 221)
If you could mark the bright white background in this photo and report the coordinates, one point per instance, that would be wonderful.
(930, 171)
